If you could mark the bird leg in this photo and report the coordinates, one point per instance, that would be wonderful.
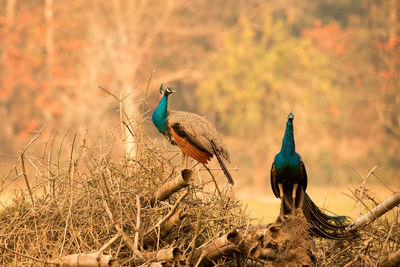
(281, 197)
(301, 198)
(294, 197)
(184, 161)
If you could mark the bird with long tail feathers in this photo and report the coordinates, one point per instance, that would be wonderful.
(289, 183)
(193, 134)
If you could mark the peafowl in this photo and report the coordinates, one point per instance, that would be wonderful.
(289, 183)
(193, 134)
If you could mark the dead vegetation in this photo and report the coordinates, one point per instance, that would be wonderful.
(95, 209)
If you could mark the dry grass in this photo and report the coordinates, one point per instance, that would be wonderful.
(82, 203)
(91, 200)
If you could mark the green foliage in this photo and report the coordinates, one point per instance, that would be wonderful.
(264, 72)
(333, 63)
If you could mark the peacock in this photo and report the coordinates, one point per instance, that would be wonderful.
(193, 134)
(289, 183)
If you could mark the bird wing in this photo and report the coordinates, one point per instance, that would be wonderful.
(198, 131)
(274, 184)
(303, 174)
(187, 146)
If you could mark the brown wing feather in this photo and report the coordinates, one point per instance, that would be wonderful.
(274, 184)
(199, 131)
(189, 149)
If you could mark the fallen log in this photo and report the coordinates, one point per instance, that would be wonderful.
(92, 259)
(165, 227)
(172, 186)
(377, 212)
(164, 255)
(160, 257)
(223, 245)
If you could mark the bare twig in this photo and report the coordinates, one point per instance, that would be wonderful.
(137, 227)
(215, 182)
(23, 255)
(385, 243)
(120, 230)
(196, 234)
(392, 260)
(365, 179)
(26, 180)
(110, 242)
(169, 214)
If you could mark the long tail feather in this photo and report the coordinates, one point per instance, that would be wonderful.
(222, 164)
(321, 224)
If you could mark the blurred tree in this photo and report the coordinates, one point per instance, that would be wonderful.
(264, 72)
(54, 54)
(282, 59)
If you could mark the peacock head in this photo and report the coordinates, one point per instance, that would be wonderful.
(167, 91)
(290, 116)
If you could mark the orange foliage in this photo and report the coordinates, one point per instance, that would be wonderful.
(330, 38)
(358, 81)
(391, 44)
(385, 74)
(32, 125)
(28, 84)
(334, 110)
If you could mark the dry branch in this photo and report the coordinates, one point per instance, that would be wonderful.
(154, 264)
(169, 214)
(27, 180)
(120, 230)
(377, 212)
(110, 242)
(165, 227)
(392, 260)
(173, 186)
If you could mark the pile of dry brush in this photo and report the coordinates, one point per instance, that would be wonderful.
(95, 210)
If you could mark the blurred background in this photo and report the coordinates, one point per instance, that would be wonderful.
(242, 64)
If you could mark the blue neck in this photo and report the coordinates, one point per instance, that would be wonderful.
(288, 146)
(160, 115)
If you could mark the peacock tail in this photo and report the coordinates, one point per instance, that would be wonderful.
(289, 170)
(321, 224)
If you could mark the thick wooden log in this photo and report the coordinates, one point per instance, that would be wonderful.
(223, 245)
(165, 228)
(93, 259)
(164, 255)
(377, 212)
(172, 186)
